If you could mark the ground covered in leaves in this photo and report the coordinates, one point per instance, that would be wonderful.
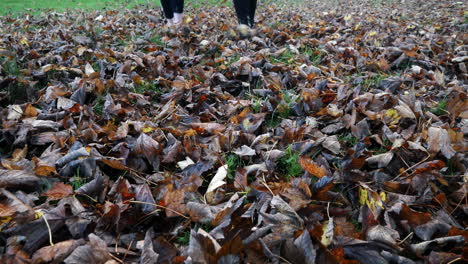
(335, 134)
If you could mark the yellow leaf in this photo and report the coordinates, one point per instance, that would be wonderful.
(362, 196)
(327, 236)
(38, 214)
(393, 115)
(190, 132)
(188, 19)
(383, 196)
(372, 33)
(3, 220)
(348, 17)
(148, 129)
(24, 41)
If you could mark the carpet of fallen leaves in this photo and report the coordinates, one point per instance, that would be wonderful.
(335, 134)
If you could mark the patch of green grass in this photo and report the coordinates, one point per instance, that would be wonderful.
(357, 225)
(232, 59)
(373, 81)
(96, 66)
(233, 162)
(348, 139)
(99, 105)
(16, 6)
(272, 120)
(440, 108)
(147, 86)
(77, 181)
(10, 67)
(289, 164)
(257, 106)
(287, 57)
(314, 54)
(200, 4)
(383, 148)
(156, 39)
(183, 238)
(285, 107)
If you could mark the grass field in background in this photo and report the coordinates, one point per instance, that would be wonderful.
(18, 6)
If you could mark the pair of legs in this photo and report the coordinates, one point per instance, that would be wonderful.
(245, 10)
(173, 9)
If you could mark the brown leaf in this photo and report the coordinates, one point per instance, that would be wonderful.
(414, 218)
(311, 167)
(18, 179)
(439, 140)
(56, 253)
(58, 191)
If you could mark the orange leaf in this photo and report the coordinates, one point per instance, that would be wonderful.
(59, 191)
(30, 111)
(414, 218)
(310, 166)
(430, 165)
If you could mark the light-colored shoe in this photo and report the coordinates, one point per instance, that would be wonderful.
(244, 30)
(178, 18)
(170, 22)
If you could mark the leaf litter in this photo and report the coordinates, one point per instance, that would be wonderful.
(336, 134)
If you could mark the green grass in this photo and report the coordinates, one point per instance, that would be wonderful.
(18, 6)
(387, 144)
(233, 162)
(314, 54)
(289, 165)
(183, 238)
(9, 67)
(287, 57)
(373, 81)
(440, 108)
(99, 105)
(147, 86)
(349, 139)
(77, 181)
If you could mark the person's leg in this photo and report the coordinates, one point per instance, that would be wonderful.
(167, 9)
(242, 11)
(179, 6)
(253, 7)
(178, 10)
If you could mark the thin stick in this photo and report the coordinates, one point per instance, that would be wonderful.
(266, 185)
(91, 198)
(455, 260)
(283, 259)
(412, 167)
(115, 258)
(48, 229)
(160, 206)
(406, 238)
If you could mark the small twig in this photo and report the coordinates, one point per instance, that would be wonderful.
(328, 210)
(269, 153)
(412, 167)
(406, 238)
(91, 198)
(128, 249)
(115, 258)
(160, 206)
(48, 228)
(266, 185)
(455, 260)
(283, 259)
